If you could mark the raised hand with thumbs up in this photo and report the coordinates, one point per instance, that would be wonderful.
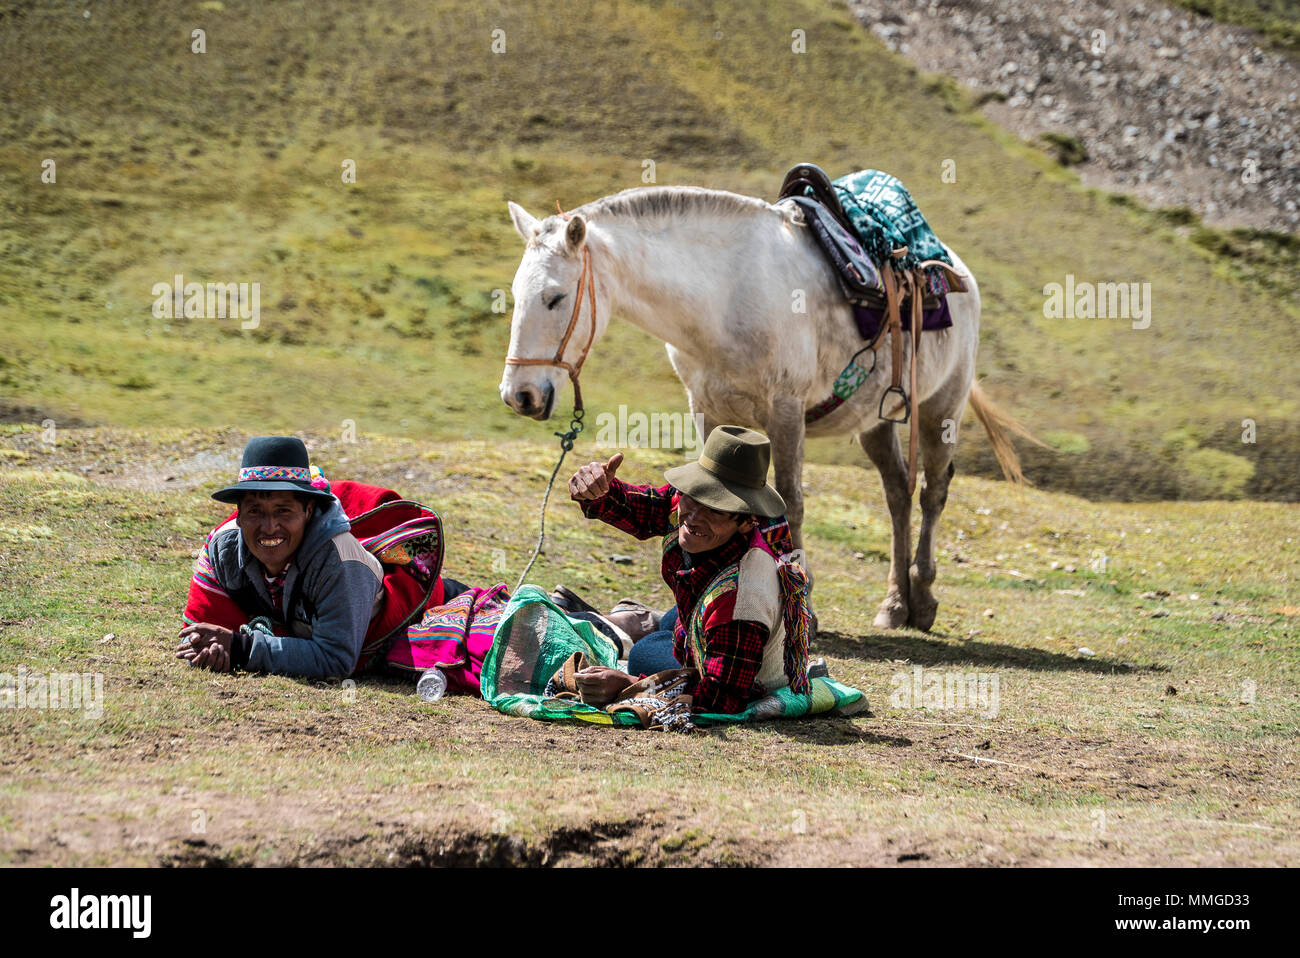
(592, 480)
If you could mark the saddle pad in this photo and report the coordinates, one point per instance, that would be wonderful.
(886, 218)
(869, 318)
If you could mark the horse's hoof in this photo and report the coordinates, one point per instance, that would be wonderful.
(892, 615)
(922, 605)
(922, 615)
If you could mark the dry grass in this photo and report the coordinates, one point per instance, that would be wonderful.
(1143, 753)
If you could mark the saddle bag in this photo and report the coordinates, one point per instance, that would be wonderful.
(857, 274)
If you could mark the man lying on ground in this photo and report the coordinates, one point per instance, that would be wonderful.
(284, 586)
(742, 614)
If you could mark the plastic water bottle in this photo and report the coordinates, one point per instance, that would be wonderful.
(432, 685)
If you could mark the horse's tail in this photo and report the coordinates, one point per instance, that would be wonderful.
(998, 425)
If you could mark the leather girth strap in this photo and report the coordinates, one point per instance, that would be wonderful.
(898, 287)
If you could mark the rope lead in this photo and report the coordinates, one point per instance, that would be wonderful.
(566, 443)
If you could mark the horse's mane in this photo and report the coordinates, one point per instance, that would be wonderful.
(666, 202)
(671, 201)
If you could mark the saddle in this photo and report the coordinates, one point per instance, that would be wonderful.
(874, 292)
(809, 176)
(857, 274)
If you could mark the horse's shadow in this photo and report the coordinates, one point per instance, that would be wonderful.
(838, 731)
(935, 649)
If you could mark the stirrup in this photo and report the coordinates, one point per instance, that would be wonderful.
(907, 409)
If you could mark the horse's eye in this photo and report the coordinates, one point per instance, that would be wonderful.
(555, 300)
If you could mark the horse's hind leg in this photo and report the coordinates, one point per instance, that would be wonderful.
(938, 441)
(881, 446)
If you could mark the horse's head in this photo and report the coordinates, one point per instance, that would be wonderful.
(551, 330)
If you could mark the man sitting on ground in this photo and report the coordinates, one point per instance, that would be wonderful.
(742, 612)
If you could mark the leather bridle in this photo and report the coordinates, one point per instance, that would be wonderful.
(586, 285)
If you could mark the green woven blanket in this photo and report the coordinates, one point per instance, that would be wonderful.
(535, 638)
(886, 218)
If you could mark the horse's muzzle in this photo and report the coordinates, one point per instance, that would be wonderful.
(533, 402)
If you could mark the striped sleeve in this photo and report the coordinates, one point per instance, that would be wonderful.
(208, 600)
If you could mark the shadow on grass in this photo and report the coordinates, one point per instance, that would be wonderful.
(837, 731)
(818, 730)
(931, 650)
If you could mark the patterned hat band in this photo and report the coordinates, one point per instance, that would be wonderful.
(267, 473)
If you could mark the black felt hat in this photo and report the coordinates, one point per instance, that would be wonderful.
(273, 463)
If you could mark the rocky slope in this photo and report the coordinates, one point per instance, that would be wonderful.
(1169, 106)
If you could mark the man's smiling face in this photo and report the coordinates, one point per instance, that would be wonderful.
(702, 528)
(273, 524)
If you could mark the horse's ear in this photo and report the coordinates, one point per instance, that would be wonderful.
(576, 232)
(524, 223)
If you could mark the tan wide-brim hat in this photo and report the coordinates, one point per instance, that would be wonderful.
(731, 474)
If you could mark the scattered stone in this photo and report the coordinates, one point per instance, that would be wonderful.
(621, 559)
(1155, 79)
(988, 613)
(1084, 650)
(108, 638)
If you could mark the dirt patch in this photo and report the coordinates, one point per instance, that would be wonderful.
(638, 841)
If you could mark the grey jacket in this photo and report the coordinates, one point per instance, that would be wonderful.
(332, 584)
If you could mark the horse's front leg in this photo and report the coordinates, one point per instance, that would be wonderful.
(704, 423)
(785, 429)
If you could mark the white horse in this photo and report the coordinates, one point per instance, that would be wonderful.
(718, 277)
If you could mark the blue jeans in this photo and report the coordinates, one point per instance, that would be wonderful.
(654, 653)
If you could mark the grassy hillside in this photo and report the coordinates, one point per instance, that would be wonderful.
(377, 296)
(1146, 655)
(1277, 20)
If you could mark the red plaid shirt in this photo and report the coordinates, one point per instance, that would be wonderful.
(733, 649)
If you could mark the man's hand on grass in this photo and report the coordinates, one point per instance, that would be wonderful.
(206, 646)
